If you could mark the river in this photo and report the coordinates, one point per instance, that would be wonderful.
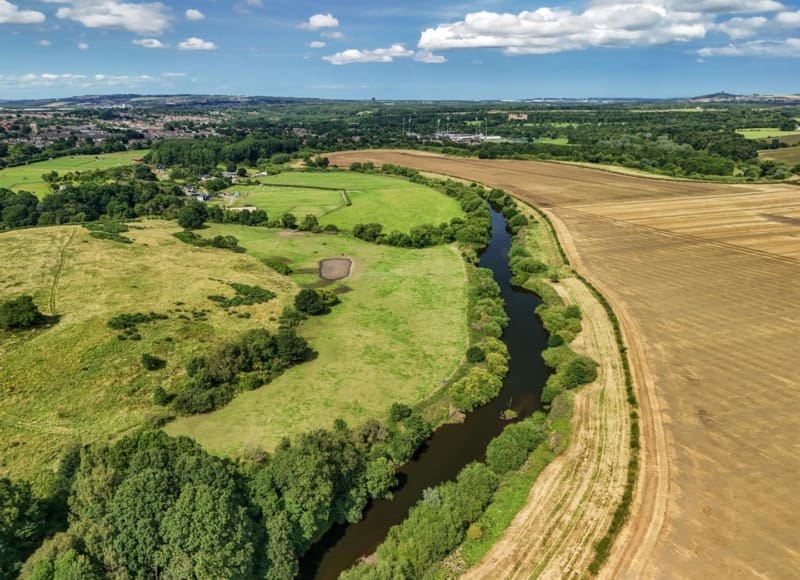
(451, 447)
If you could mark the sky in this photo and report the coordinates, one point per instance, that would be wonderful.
(405, 49)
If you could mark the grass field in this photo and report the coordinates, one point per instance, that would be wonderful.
(396, 203)
(705, 281)
(399, 331)
(788, 155)
(765, 133)
(29, 177)
(76, 381)
(279, 200)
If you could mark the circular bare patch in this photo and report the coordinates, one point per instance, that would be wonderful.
(334, 268)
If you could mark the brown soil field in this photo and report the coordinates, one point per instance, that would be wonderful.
(705, 279)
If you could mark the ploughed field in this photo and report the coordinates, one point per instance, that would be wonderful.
(705, 279)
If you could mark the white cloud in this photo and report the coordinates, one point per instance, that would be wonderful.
(71, 80)
(149, 43)
(173, 74)
(353, 55)
(788, 19)
(724, 6)
(44, 43)
(193, 14)
(429, 57)
(332, 34)
(11, 14)
(320, 21)
(141, 18)
(195, 43)
(789, 48)
(550, 30)
(316, 44)
(738, 28)
(83, 46)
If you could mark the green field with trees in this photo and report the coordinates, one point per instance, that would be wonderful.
(397, 204)
(399, 331)
(29, 177)
(83, 378)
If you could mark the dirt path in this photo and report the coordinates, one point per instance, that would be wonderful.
(61, 259)
(636, 542)
(570, 506)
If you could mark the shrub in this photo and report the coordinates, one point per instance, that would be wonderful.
(279, 267)
(580, 371)
(310, 302)
(475, 354)
(555, 340)
(160, 396)
(20, 313)
(399, 412)
(153, 363)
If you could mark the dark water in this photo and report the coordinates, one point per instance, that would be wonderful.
(452, 446)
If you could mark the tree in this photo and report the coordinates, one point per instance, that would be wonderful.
(289, 221)
(192, 215)
(21, 525)
(20, 313)
(207, 534)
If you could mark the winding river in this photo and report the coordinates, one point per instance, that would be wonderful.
(452, 446)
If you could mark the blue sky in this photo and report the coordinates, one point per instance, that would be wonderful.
(487, 49)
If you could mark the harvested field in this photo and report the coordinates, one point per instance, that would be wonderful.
(335, 268)
(705, 279)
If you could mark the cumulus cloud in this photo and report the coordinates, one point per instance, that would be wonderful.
(192, 14)
(602, 23)
(724, 6)
(429, 57)
(140, 18)
(71, 80)
(738, 28)
(316, 44)
(789, 48)
(149, 43)
(332, 34)
(318, 21)
(549, 30)
(353, 55)
(195, 43)
(83, 46)
(11, 14)
(789, 19)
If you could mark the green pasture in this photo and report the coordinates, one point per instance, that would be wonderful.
(76, 382)
(765, 133)
(279, 200)
(29, 177)
(396, 203)
(399, 331)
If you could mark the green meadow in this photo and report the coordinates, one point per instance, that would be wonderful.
(396, 203)
(29, 177)
(399, 331)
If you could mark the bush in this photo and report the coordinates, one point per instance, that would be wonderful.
(160, 397)
(509, 450)
(580, 371)
(153, 363)
(398, 412)
(20, 313)
(279, 267)
(475, 354)
(555, 340)
(310, 302)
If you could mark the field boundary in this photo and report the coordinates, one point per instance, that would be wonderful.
(648, 505)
